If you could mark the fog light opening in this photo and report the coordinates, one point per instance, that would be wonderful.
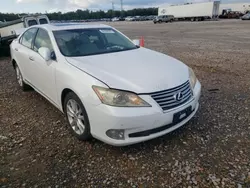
(117, 134)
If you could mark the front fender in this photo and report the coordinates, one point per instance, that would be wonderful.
(72, 78)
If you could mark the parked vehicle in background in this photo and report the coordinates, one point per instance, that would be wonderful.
(133, 18)
(12, 29)
(129, 18)
(100, 80)
(192, 12)
(231, 15)
(143, 18)
(137, 18)
(151, 18)
(246, 17)
(121, 19)
(164, 18)
(115, 19)
(243, 8)
(106, 19)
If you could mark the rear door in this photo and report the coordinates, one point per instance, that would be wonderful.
(22, 51)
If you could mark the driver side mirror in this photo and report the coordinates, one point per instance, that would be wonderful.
(136, 42)
(45, 53)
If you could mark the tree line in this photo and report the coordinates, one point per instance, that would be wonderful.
(88, 14)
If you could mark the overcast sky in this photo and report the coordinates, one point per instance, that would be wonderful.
(20, 6)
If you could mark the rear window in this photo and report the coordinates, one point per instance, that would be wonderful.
(32, 22)
(43, 21)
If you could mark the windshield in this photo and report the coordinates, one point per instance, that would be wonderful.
(82, 42)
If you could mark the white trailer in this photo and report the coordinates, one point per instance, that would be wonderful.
(193, 12)
(10, 30)
(239, 7)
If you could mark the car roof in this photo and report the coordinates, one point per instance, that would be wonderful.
(68, 26)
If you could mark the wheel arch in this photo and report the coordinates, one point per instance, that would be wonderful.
(64, 93)
(14, 63)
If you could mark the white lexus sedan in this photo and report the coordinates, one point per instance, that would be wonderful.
(107, 86)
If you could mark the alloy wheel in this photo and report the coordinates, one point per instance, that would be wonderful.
(19, 76)
(75, 116)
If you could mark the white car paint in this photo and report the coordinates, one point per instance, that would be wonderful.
(140, 71)
(148, 62)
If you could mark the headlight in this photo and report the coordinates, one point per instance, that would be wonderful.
(192, 78)
(119, 98)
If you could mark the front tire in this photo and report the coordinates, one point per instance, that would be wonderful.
(77, 117)
(20, 81)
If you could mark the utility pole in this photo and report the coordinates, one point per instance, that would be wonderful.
(113, 9)
(121, 8)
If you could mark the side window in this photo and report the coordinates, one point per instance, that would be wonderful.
(42, 40)
(28, 37)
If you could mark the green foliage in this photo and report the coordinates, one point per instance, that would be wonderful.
(8, 17)
(87, 14)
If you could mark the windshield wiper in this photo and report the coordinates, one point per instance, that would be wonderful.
(104, 52)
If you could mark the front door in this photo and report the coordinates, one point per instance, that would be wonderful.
(43, 72)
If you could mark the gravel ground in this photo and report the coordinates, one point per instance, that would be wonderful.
(213, 150)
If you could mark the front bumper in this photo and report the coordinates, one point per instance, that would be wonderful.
(136, 120)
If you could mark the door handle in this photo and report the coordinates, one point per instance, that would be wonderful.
(31, 58)
(16, 49)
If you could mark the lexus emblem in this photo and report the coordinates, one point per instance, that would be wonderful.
(179, 96)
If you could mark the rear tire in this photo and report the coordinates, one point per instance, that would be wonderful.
(77, 117)
(19, 77)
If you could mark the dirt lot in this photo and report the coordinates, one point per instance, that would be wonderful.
(213, 150)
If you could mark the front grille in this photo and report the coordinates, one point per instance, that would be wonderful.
(174, 97)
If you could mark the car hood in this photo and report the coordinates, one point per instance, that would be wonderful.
(140, 70)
